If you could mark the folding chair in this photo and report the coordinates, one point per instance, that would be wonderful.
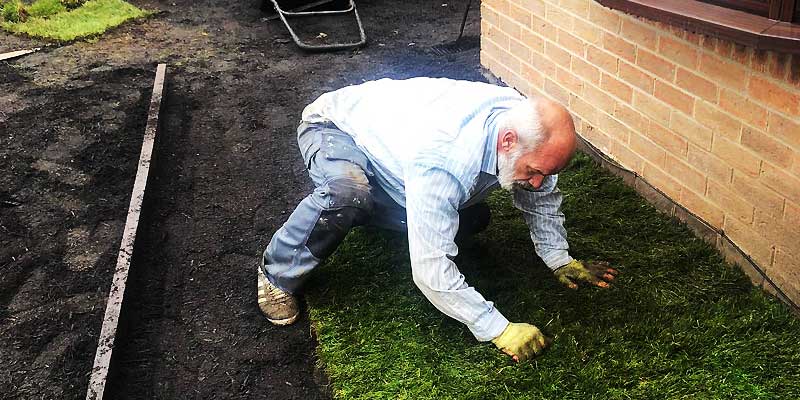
(282, 14)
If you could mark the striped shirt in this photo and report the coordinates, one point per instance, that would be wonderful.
(432, 143)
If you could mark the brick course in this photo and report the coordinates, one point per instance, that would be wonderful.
(712, 124)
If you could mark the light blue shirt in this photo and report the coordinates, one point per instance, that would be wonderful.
(432, 143)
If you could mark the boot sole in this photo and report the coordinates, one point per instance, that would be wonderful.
(283, 322)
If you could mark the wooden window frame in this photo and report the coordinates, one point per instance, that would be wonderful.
(738, 26)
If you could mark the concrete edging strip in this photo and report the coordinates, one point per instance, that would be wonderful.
(105, 345)
(18, 53)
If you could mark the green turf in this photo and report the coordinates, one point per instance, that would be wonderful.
(92, 18)
(680, 323)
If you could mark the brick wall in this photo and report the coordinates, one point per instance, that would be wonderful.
(713, 125)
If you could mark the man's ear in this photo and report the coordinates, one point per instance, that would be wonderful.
(508, 139)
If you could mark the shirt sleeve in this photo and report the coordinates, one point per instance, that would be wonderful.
(542, 212)
(433, 196)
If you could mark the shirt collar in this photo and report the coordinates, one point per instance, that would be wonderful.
(489, 164)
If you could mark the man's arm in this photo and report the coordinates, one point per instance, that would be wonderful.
(541, 209)
(433, 196)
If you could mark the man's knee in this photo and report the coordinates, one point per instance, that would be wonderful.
(345, 203)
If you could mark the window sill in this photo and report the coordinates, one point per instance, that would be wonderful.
(737, 26)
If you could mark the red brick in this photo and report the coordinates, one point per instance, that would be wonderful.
(602, 59)
(628, 116)
(775, 96)
(605, 17)
(724, 48)
(784, 129)
(500, 5)
(691, 130)
(779, 65)
(577, 7)
(696, 85)
(557, 16)
(781, 182)
(519, 50)
(543, 28)
(768, 148)
(586, 31)
(757, 194)
(699, 205)
(678, 52)
(586, 71)
(626, 157)
(652, 108)
(674, 97)
(736, 155)
(656, 65)
(647, 149)
(667, 139)
(532, 40)
(717, 120)
(613, 128)
(732, 203)
(598, 98)
(709, 164)
(686, 174)
(569, 81)
(723, 72)
(773, 230)
(743, 108)
(557, 92)
(639, 33)
(488, 14)
(543, 65)
(520, 15)
(620, 47)
(752, 243)
(616, 88)
(583, 109)
(536, 7)
(741, 54)
(636, 77)
(759, 60)
(557, 54)
(791, 215)
(510, 27)
(571, 43)
(532, 75)
(662, 181)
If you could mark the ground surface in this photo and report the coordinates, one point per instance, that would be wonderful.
(227, 173)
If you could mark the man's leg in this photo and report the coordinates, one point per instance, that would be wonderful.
(340, 201)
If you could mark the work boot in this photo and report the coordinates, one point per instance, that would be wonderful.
(278, 306)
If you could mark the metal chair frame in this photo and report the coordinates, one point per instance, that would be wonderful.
(321, 47)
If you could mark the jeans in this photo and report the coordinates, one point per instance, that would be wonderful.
(345, 196)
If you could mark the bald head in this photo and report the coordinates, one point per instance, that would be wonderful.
(558, 131)
(536, 139)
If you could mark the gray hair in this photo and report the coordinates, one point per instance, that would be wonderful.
(523, 118)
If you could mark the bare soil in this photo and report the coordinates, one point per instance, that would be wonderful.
(227, 173)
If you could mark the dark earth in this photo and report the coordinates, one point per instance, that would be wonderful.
(227, 173)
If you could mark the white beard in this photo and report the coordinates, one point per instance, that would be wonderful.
(505, 167)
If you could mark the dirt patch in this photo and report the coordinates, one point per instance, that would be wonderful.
(227, 174)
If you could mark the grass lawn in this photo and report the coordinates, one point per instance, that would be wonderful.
(49, 19)
(680, 323)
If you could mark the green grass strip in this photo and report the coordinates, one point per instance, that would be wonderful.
(680, 323)
(93, 18)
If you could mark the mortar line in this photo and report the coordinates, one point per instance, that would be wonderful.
(105, 343)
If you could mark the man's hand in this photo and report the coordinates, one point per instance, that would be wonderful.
(597, 273)
(521, 341)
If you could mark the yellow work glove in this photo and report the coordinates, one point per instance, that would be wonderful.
(596, 273)
(521, 341)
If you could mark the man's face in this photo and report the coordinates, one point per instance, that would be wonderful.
(527, 169)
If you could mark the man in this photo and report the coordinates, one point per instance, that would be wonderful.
(419, 155)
